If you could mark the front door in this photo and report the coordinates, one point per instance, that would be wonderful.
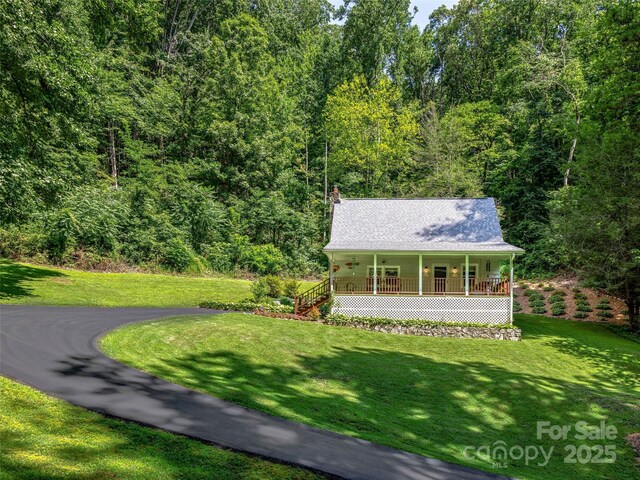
(440, 278)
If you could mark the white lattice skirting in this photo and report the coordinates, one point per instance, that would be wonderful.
(490, 310)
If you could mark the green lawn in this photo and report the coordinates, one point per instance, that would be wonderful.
(46, 438)
(433, 396)
(29, 284)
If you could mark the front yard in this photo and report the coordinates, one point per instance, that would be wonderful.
(23, 283)
(432, 396)
(45, 438)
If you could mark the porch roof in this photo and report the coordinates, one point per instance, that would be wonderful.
(417, 225)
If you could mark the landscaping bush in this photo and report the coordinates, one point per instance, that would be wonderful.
(516, 306)
(286, 301)
(557, 310)
(555, 299)
(560, 293)
(576, 290)
(580, 315)
(291, 287)
(583, 307)
(314, 313)
(548, 288)
(345, 320)
(605, 314)
(247, 306)
(603, 304)
(275, 286)
(537, 303)
(259, 289)
(580, 296)
(538, 310)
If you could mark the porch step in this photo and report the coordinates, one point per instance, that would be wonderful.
(314, 297)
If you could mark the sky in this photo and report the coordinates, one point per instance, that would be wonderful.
(425, 7)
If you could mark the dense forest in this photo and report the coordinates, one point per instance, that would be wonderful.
(200, 135)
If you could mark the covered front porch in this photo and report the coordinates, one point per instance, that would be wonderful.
(431, 274)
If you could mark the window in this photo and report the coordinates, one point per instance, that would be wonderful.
(385, 272)
(473, 269)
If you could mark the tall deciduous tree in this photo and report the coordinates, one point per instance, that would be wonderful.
(371, 135)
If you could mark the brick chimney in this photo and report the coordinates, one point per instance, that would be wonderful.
(334, 196)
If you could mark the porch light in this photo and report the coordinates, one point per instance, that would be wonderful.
(454, 270)
(425, 269)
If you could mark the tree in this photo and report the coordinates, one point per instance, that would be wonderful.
(598, 220)
(371, 134)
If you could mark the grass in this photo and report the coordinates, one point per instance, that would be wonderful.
(33, 285)
(432, 396)
(46, 438)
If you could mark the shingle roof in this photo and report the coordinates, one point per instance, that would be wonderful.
(433, 224)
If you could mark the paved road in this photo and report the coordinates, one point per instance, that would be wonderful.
(54, 349)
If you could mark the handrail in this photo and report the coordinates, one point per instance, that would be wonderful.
(430, 285)
(309, 297)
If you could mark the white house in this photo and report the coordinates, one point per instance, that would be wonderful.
(441, 259)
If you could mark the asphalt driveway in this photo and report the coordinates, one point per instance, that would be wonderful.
(54, 350)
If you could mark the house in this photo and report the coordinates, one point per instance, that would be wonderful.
(441, 259)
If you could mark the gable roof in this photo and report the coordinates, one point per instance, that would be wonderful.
(417, 225)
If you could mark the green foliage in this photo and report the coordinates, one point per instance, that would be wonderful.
(555, 298)
(346, 320)
(263, 259)
(579, 296)
(517, 307)
(536, 303)
(548, 288)
(275, 286)
(292, 287)
(583, 307)
(260, 289)
(287, 301)
(539, 310)
(604, 314)
(247, 306)
(558, 310)
(580, 314)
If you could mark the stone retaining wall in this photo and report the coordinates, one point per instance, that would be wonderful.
(514, 334)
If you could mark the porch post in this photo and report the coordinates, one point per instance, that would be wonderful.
(331, 274)
(420, 274)
(466, 275)
(511, 287)
(375, 273)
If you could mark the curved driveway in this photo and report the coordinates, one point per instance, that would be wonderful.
(53, 349)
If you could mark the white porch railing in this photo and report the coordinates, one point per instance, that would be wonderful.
(411, 286)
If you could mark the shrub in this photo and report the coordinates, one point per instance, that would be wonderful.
(557, 310)
(580, 315)
(264, 259)
(541, 285)
(583, 307)
(580, 296)
(247, 306)
(259, 289)
(220, 256)
(538, 310)
(314, 313)
(555, 299)
(537, 303)
(548, 288)
(605, 314)
(286, 301)
(603, 304)
(345, 320)
(516, 306)
(560, 293)
(325, 309)
(275, 286)
(291, 287)
(529, 292)
(177, 256)
(576, 290)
